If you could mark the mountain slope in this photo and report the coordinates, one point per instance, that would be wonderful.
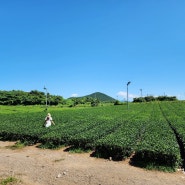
(100, 96)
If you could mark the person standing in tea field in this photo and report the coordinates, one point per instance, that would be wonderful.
(49, 120)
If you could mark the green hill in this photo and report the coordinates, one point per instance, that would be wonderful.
(100, 96)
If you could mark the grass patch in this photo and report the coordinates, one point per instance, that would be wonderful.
(153, 166)
(149, 165)
(58, 160)
(74, 149)
(9, 181)
(51, 145)
(17, 145)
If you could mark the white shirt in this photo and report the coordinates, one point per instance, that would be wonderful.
(48, 120)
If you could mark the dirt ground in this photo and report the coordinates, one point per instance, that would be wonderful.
(34, 166)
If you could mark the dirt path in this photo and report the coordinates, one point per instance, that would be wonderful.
(34, 166)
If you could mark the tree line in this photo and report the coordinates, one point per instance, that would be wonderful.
(34, 97)
(152, 98)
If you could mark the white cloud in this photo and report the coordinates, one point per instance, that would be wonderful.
(124, 94)
(74, 95)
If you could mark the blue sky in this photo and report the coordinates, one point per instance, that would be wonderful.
(78, 47)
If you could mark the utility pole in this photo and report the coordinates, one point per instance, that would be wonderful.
(46, 96)
(127, 92)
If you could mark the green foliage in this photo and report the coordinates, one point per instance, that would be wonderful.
(154, 132)
(140, 99)
(8, 180)
(95, 102)
(166, 98)
(118, 103)
(34, 97)
(79, 150)
(18, 145)
(151, 98)
(94, 99)
(100, 96)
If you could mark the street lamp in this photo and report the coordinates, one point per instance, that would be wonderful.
(46, 95)
(127, 92)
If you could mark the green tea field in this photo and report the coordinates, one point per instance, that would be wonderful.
(152, 135)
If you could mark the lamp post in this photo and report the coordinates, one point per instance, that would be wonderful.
(127, 92)
(46, 95)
